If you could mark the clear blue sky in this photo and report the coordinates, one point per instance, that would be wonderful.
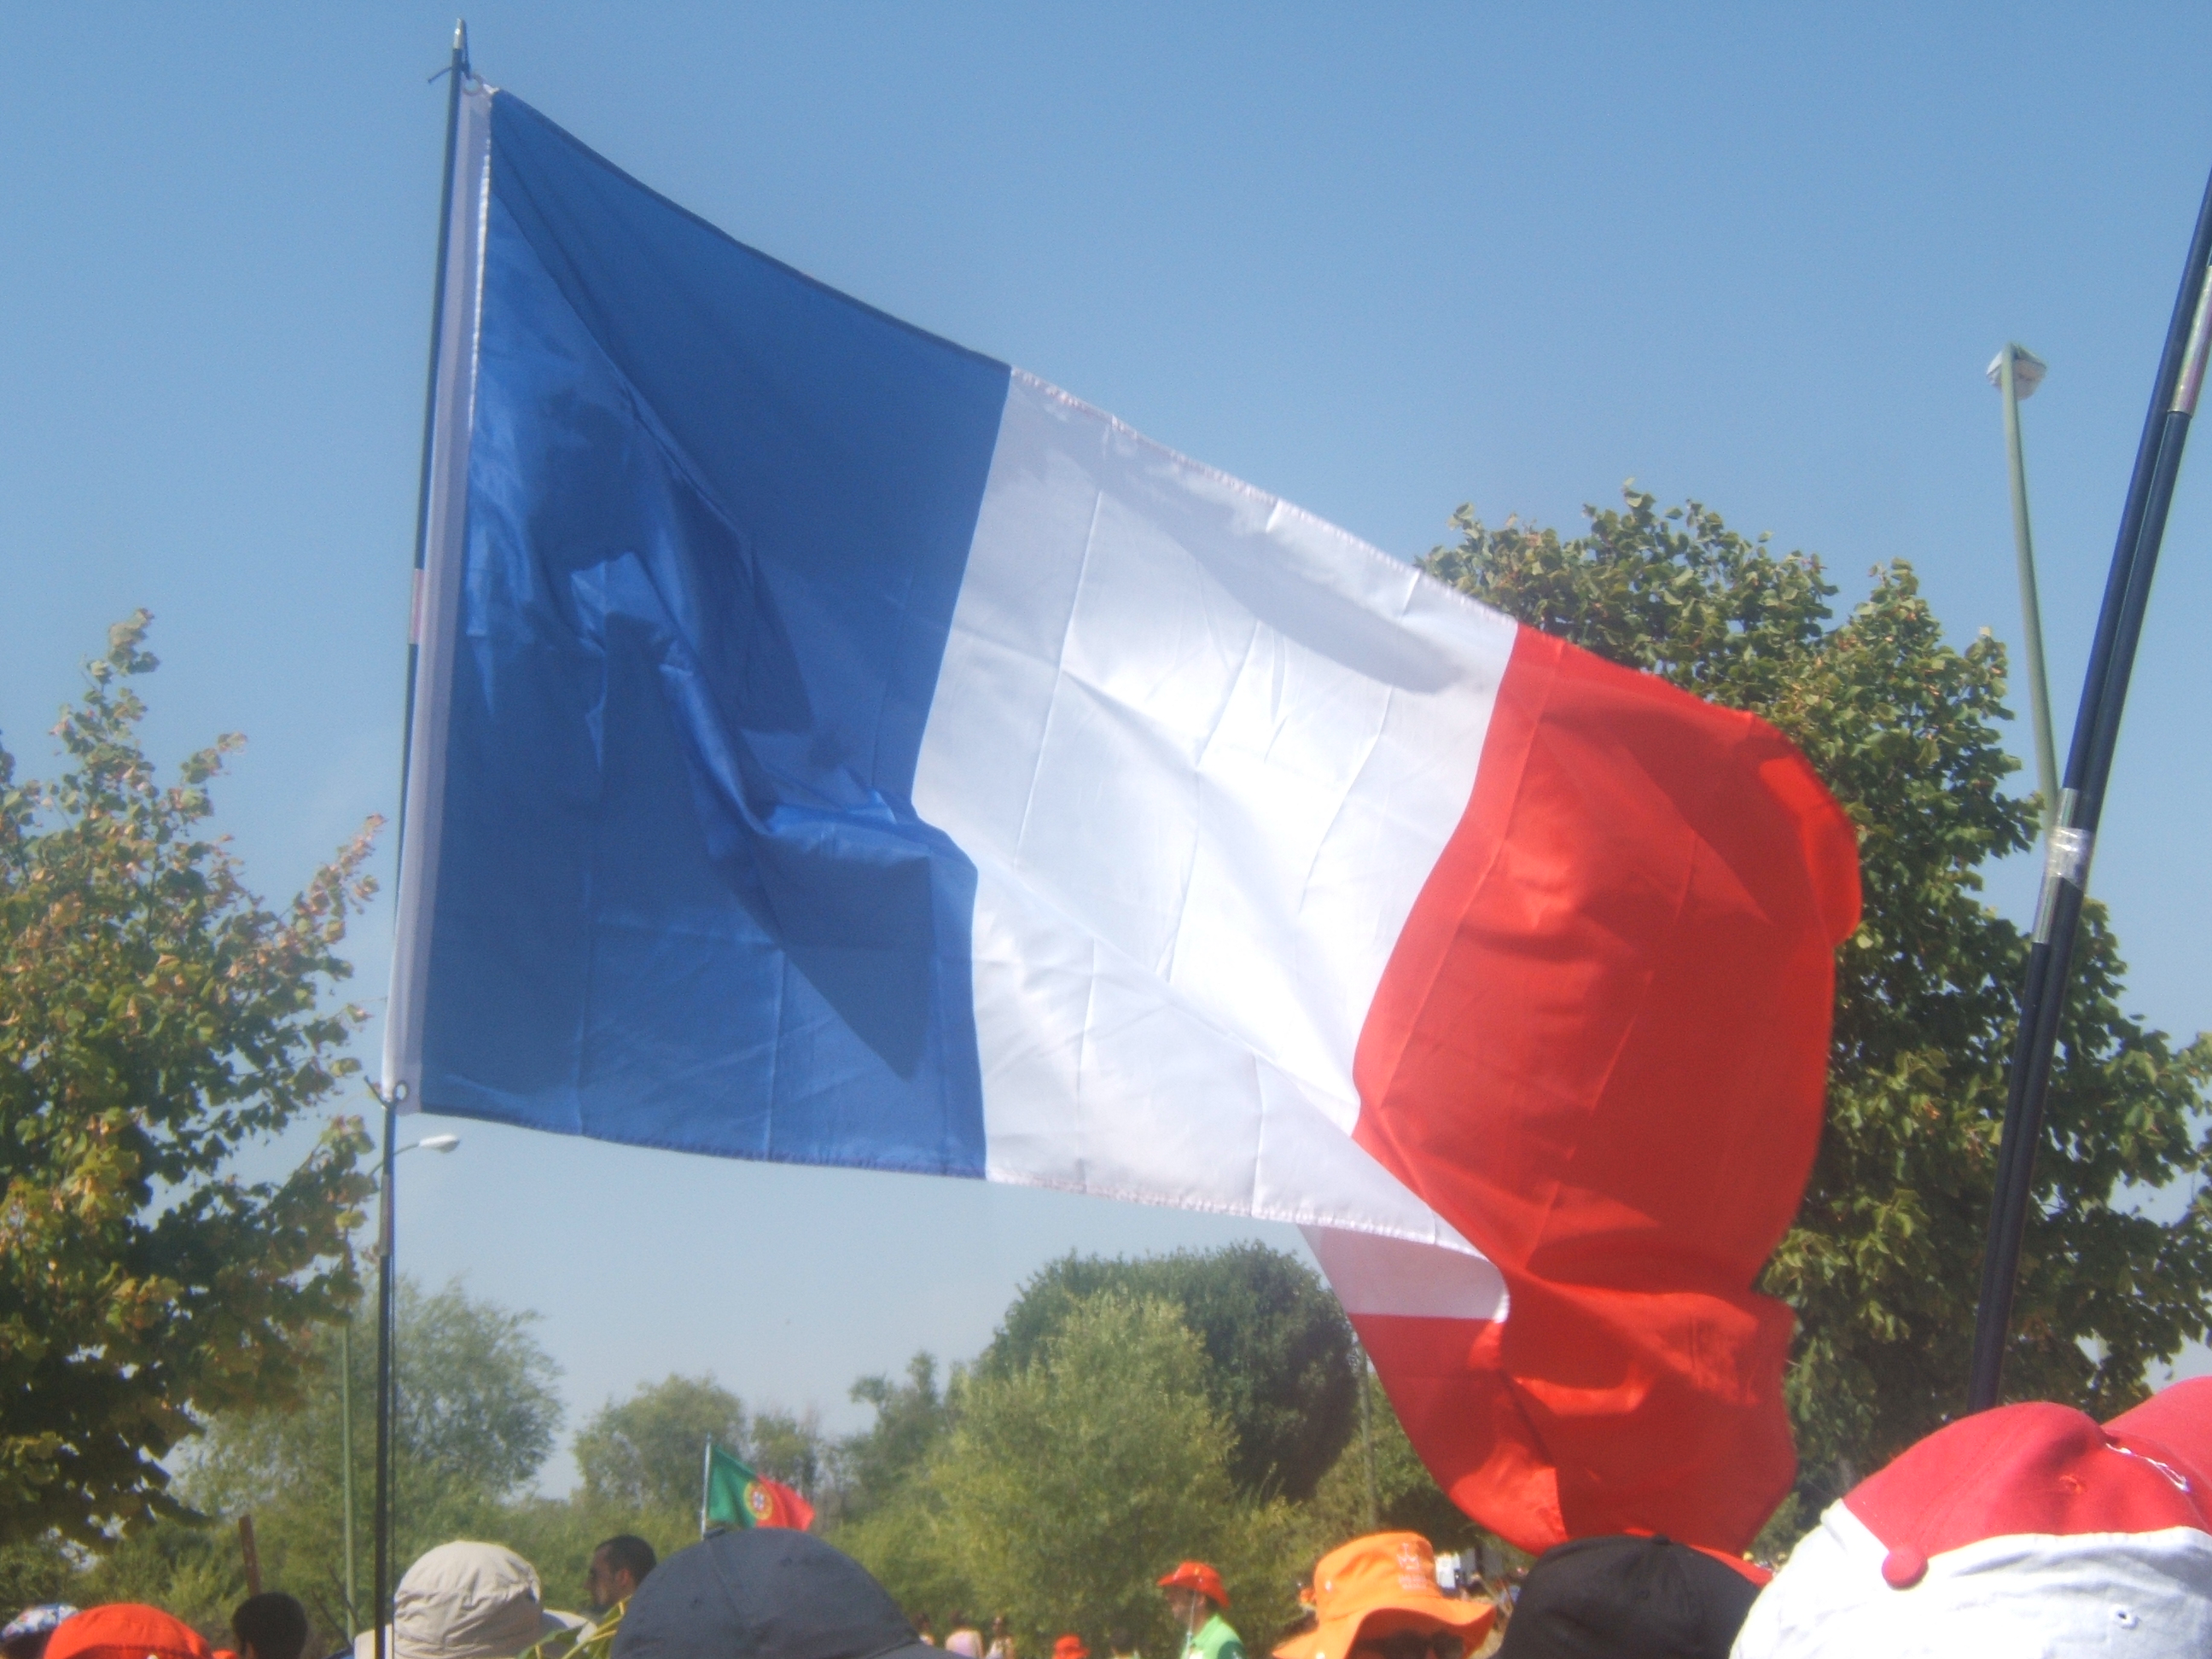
(1381, 260)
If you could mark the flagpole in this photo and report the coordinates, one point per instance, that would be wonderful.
(2082, 800)
(706, 1484)
(457, 72)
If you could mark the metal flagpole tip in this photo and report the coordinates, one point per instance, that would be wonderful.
(2028, 370)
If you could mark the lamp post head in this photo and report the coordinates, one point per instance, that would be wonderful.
(2028, 370)
(439, 1143)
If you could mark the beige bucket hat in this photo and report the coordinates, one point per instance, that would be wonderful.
(467, 1600)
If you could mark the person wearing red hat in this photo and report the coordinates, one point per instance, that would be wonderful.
(126, 1630)
(2030, 1529)
(1377, 1598)
(1196, 1597)
(1070, 1647)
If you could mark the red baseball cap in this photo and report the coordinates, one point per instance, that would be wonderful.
(2030, 1528)
(1197, 1576)
(126, 1630)
(1070, 1647)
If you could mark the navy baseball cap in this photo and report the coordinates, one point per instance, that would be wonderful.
(1628, 1597)
(764, 1593)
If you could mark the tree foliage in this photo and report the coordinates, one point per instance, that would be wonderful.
(154, 1019)
(912, 1418)
(1883, 1266)
(1072, 1482)
(647, 1452)
(477, 1415)
(1379, 1484)
(1281, 1371)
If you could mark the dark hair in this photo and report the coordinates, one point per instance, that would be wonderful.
(272, 1624)
(1120, 1641)
(628, 1553)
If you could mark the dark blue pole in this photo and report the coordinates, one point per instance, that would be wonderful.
(2081, 800)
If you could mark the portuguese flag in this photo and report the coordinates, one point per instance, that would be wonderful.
(736, 1497)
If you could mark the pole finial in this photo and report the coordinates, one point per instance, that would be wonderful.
(461, 43)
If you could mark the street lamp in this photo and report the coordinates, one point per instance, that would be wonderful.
(384, 1335)
(2015, 373)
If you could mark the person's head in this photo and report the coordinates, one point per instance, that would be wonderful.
(1195, 1593)
(270, 1625)
(26, 1633)
(998, 1624)
(764, 1593)
(2028, 1529)
(126, 1630)
(1377, 1598)
(1630, 1596)
(618, 1567)
(1120, 1644)
(466, 1600)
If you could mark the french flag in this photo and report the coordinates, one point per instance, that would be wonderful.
(831, 745)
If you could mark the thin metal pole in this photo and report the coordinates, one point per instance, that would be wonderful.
(457, 74)
(345, 1455)
(384, 1289)
(2030, 611)
(2082, 800)
(1367, 1437)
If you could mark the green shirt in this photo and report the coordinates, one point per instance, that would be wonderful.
(1214, 1640)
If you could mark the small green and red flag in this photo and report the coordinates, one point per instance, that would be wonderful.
(736, 1497)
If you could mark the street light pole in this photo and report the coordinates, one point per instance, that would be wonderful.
(381, 1612)
(345, 1450)
(387, 1289)
(2015, 374)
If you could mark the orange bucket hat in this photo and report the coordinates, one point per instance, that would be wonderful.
(1196, 1575)
(1378, 1586)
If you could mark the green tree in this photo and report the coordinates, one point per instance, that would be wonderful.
(647, 1453)
(154, 1017)
(1281, 1350)
(1883, 1266)
(1379, 1484)
(476, 1421)
(789, 1447)
(912, 1418)
(476, 1417)
(1072, 1482)
(888, 1515)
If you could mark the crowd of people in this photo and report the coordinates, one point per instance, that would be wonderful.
(2032, 1529)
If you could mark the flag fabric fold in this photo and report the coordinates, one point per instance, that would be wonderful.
(834, 746)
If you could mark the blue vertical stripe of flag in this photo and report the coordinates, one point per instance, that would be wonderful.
(718, 516)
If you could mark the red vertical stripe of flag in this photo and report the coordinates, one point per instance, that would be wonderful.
(1599, 1051)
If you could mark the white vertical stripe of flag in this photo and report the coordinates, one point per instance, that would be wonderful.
(1204, 749)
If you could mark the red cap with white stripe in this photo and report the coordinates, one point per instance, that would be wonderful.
(2026, 1530)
